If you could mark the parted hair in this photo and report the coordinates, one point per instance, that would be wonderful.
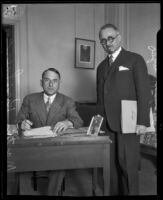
(107, 26)
(53, 70)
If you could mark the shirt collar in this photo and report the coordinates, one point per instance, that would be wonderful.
(116, 53)
(46, 97)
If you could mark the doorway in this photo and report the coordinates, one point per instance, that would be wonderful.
(9, 61)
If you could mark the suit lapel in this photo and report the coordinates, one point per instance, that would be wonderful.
(107, 68)
(114, 66)
(41, 109)
(54, 109)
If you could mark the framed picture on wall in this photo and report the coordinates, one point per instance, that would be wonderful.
(84, 53)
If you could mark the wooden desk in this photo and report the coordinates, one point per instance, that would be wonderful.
(64, 152)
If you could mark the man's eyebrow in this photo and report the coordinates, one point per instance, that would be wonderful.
(51, 79)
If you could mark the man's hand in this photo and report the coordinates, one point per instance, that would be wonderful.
(62, 126)
(140, 129)
(26, 125)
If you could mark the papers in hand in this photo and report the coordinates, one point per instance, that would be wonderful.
(41, 132)
(129, 117)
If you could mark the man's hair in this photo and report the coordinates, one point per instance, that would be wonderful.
(53, 70)
(107, 26)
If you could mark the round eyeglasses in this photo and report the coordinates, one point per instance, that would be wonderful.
(110, 39)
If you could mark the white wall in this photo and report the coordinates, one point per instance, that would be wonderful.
(51, 43)
(144, 23)
(138, 24)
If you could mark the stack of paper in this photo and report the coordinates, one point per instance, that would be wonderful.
(41, 132)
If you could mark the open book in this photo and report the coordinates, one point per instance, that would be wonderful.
(129, 117)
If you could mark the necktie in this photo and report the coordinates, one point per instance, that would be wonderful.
(110, 60)
(48, 104)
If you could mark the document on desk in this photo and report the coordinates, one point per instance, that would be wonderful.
(42, 132)
(45, 132)
(75, 132)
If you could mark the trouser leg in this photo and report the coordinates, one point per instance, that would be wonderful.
(133, 165)
(55, 182)
(114, 166)
(25, 184)
(123, 178)
(128, 160)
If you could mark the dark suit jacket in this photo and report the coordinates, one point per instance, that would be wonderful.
(63, 107)
(114, 85)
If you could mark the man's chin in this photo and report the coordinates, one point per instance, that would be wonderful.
(50, 93)
(108, 51)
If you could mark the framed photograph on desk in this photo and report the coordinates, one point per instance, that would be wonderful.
(84, 53)
(95, 125)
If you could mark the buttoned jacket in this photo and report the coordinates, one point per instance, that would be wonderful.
(62, 108)
(126, 79)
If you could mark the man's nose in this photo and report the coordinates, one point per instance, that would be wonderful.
(50, 83)
(108, 43)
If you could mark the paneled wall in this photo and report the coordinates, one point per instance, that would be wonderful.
(144, 24)
(139, 24)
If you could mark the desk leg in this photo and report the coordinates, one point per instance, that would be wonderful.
(106, 170)
(94, 181)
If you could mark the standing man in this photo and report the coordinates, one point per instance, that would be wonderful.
(122, 75)
(47, 108)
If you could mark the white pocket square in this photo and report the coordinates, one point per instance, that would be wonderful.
(121, 68)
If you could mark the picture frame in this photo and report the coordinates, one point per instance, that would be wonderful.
(84, 53)
(95, 125)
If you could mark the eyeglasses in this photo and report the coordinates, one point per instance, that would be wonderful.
(110, 39)
(54, 81)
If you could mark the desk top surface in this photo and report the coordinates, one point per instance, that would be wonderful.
(60, 140)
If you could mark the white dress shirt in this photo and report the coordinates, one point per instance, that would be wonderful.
(115, 54)
(46, 97)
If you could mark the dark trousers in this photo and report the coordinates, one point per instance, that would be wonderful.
(124, 163)
(54, 185)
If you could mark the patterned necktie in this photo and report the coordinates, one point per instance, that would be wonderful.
(110, 60)
(48, 104)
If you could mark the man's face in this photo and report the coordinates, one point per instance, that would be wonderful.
(50, 83)
(110, 40)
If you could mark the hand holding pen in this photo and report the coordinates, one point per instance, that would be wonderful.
(26, 124)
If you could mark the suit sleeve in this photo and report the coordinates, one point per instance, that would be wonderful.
(24, 111)
(100, 86)
(72, 114)
(143, 93)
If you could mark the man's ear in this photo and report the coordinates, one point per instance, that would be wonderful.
(119, 37)
(41, 83)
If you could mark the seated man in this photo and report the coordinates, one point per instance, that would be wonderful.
(47, 108)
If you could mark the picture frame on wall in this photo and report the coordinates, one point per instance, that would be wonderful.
(84, 53)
